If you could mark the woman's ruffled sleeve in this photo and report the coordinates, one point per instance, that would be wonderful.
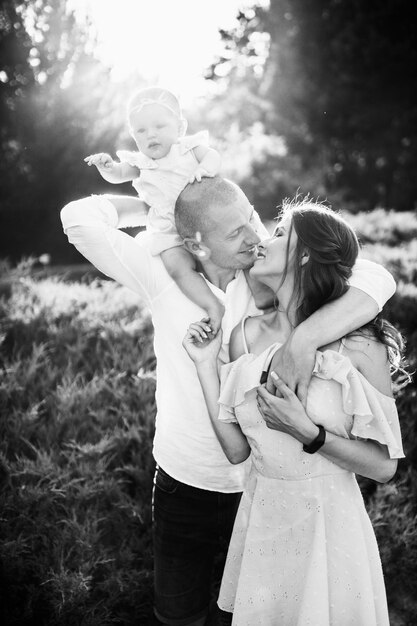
(374, 414)
(237, 380)
(376, 417)
(228, 379)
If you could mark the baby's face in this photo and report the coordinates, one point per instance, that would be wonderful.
(154, 129)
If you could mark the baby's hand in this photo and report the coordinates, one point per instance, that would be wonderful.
(102, 161)
(200, 173)
(215, 316)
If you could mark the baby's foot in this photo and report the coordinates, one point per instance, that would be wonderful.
(215, 314)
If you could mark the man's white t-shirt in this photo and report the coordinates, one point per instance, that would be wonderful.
(185, 444)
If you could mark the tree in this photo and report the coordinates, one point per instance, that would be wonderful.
(336, 86)
(57, 105)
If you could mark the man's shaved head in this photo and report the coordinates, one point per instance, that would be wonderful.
(220, 212)
(192, 209)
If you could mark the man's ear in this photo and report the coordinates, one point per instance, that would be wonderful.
(182, 127)
(197, 248)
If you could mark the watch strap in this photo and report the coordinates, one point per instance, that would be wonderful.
(317, 443)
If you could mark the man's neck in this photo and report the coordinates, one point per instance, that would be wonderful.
(218, 276)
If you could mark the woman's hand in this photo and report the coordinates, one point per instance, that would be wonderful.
(295, 361)
(199, 342)
(285, 413)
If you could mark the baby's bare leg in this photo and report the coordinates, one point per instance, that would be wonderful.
(181, 266)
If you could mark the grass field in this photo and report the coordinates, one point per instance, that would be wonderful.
(77, 410)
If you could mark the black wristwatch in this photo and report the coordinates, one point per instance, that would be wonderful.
(317, 443)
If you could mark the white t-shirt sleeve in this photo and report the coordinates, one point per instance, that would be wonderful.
(91, 225)
(374, 280)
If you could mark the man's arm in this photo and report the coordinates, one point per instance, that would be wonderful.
(371, 286)
(374, 280)
(92, 226)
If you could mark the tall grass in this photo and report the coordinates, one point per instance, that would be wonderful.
(76, 465)
(76, 426)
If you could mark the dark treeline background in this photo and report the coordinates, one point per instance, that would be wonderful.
(312, 95)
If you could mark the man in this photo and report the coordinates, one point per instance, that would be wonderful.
(196, 488)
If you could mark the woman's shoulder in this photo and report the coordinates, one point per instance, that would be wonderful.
(363, 344)
(369, 356)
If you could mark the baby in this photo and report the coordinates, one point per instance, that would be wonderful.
(166, 162)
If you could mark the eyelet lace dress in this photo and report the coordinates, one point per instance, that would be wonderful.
(303, 550)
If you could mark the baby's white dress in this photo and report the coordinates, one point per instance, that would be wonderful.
(160, 183)
(303, 550)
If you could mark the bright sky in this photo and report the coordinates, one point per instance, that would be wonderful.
(170, 42)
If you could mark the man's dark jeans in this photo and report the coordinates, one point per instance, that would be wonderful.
(191, 531)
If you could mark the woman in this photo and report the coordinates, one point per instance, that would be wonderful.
(303, 549)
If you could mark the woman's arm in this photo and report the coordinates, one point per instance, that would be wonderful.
(232, 440)
(371, 285)
(203, 351)
(364, 457)
(294, 361)
(368, 356)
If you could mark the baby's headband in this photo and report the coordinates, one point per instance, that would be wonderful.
(162, 99)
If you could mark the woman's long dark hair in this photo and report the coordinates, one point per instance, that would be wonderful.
(329, 247)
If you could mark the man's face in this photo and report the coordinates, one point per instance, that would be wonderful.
(230, 235)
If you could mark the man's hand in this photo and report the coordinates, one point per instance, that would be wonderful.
(294, 363)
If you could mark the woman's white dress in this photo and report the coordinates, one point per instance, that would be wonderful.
(303, 550)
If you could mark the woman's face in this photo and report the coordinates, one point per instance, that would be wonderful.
(271, 263)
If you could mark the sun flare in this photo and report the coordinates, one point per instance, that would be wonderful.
(169, 43)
